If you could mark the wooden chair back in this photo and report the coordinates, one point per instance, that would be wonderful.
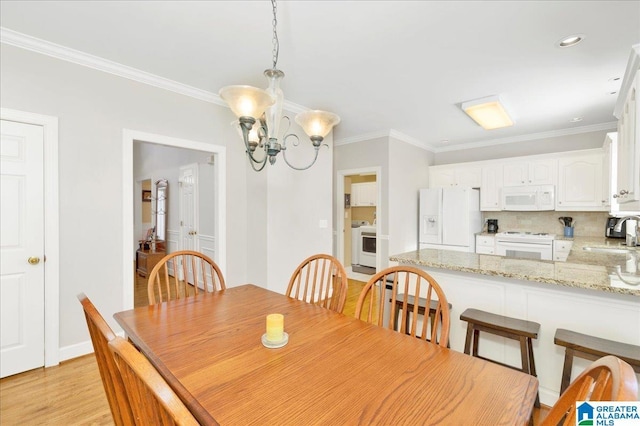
(607, 379)
(393, 289)
(101, 335)
(152, 400)
(320, 279)
(182, 274)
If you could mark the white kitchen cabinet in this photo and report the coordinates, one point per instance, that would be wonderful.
(581, 184)
(561, 249)
(608, 156)
(628, 165)
(485, 244)
(540, 172)
(491, 182)
(452, 176)
(364, 194)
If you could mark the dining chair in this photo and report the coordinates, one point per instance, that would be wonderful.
(394, 289)
(607, 379)
(101, 334)
(320, 279)
(181, 274)
(153, 402)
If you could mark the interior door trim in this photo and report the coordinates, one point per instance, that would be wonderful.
(128, 240)
(51, 228)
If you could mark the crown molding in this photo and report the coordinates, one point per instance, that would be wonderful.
(384, 134)
(361, 138)
(77, 57)
(481, 144)
(633, 64)
(44, 47)
(532, 136)
(411, 141)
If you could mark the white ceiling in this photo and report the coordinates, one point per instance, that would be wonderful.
(401, 66)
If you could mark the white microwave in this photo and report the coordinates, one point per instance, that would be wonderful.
(528, 198)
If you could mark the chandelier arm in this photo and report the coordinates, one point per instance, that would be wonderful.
(253, 159)
(284, 156)
(245, 125)
(253, 163)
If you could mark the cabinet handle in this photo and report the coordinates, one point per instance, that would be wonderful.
(615, 196)
(623, 192)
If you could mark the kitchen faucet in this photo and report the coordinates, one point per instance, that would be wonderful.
(632, 240)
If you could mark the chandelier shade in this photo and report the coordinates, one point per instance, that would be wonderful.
(317, 123)
(246, 101)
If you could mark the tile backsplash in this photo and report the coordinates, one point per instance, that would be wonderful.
(587, 224)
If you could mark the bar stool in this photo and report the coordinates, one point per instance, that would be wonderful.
(422, 302)
(592, 348)
(511, 328)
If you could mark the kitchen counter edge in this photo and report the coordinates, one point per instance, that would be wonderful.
(583, 269)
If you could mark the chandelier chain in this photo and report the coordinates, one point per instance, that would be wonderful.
(276, 43)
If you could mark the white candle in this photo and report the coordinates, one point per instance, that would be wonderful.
(275, 327)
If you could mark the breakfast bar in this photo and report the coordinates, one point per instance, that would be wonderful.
(593, 292)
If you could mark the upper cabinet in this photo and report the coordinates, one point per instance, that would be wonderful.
(627, 191)
(490, 188)
(540, 172)
(581, 183)
(364, 194)
(581, 178)
(450, 176)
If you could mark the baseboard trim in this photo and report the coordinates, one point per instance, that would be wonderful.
(79, 349)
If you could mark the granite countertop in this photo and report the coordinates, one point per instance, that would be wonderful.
(609, 272)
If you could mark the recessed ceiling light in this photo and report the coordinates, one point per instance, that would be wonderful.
(575, 119)
(569, 41)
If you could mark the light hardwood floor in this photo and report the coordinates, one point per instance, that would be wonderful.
(72, 393)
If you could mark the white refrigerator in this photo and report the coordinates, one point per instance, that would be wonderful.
(449, 218)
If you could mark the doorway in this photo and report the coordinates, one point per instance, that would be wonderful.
(217, 158)
(48, 234)
(358, 206)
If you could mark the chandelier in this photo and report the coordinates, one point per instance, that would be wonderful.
(259, 115)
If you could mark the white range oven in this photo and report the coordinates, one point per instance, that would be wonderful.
(367, 253)
(525, 245)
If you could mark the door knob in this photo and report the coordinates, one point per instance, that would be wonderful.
(33, 260)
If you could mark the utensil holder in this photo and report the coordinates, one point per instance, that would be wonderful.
(568, 231)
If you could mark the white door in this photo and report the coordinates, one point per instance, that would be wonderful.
(455, 217)
(189, 208)
(22, 247)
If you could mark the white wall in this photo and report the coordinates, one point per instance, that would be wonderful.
(408, 172)
(93, 108)
(297, 201)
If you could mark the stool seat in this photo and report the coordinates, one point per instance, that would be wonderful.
(422, 302)
(500, 322)
(592, 348)
(512, 328)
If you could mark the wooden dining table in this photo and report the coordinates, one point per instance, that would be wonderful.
(334, 370)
